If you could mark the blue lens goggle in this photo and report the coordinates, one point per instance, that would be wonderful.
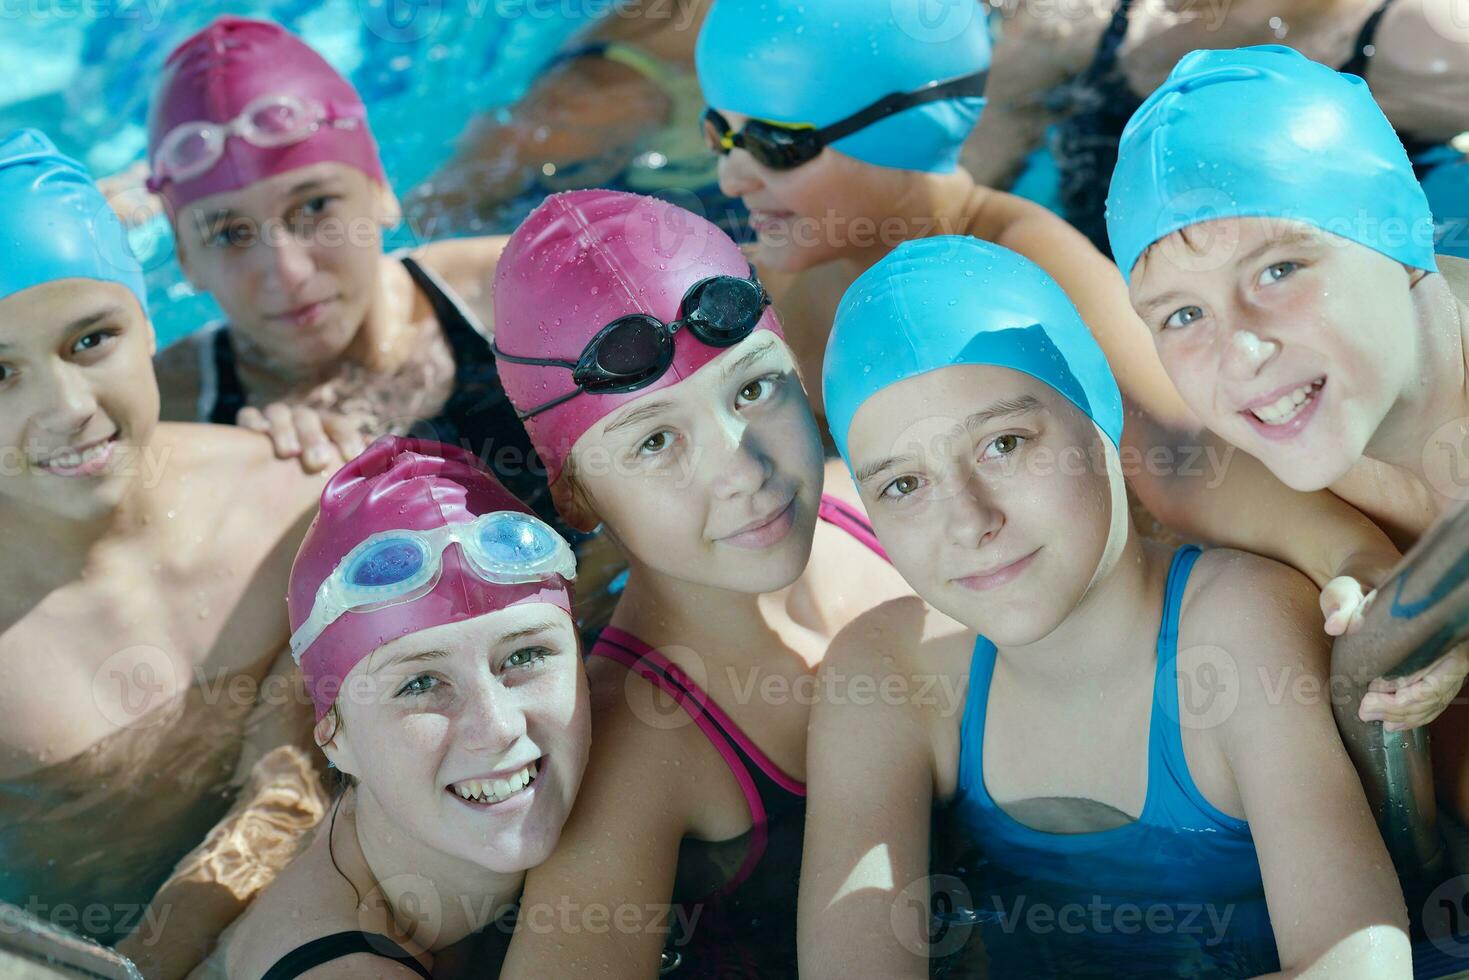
(505, 547)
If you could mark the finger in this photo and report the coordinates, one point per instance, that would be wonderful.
(346, 435)
(282, 430)
(1359, 614)
(1341, 596)
(316, 447)
(250, 418)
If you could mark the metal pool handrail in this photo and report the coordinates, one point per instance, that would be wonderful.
(1419, 614)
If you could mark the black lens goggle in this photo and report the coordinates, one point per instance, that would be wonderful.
(635, 350)
(781, 146)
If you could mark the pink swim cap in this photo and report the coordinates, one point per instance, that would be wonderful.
(579, 261)
(407, 484)
(219, 71)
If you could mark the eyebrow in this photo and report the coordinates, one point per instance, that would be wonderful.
(1001, 409)
(747, 358)
(421, 656)
(640, 414)
(535, 629)
(83, 323)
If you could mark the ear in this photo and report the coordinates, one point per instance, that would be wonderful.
(386, 206)
(325, 734)
(572, 505)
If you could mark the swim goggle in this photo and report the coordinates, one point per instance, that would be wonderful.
(781, 146)
(191, 149)
(635, 350)
(391, 567)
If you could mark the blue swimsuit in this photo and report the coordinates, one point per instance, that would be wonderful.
(1183, 861)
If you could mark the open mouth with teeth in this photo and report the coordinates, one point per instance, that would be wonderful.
(488, 792)
(1289, 406)
(84, 462)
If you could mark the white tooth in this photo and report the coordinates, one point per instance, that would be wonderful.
(502, 788)
(464, 791)
(482, 788)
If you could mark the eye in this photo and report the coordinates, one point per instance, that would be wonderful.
(6, 373)
(1183, 317)
(761, 389)
(656, 443)
(1277, 272)
(421, 684)
(527, 657)
(235, 234)
(1002, 445)
(92, 341)
(317, 205)
(900, 488)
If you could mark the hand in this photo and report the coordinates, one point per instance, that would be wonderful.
(1343, 603)
(320, 439)
(1404, 703)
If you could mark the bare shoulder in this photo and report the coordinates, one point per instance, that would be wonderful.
(1238, 596)
(308, 900)
(1420, 71)
(234, 466)
(467, 266)
(179, 378)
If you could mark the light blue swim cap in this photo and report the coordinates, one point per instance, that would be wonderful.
(818, 61)
(55, 223)
(1264, 132)
(951, 299)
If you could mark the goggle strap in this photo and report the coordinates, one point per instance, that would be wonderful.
(963, 86)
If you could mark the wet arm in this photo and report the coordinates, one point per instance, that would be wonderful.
(282, 798)
(1032, 55)
(864, 898)
(1191, 480)
(589, 112)
(1334, 899)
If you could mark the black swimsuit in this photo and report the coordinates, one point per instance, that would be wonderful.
(309, 956)
(478, 415)
(1099, 103)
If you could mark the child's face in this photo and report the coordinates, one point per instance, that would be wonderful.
(989, 492)
(1291, 343)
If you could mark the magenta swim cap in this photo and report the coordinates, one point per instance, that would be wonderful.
(407, 484)
(218, 72)
(579, 261)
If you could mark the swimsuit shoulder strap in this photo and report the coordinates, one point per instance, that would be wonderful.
(227, 396)
(310, 955)
(1111, 40)
(466, 335)
(1364, 48)
(843, 515)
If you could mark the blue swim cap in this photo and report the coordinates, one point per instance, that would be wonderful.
(818, 61)
(55, 223)
(951, 299)
(1265, 132)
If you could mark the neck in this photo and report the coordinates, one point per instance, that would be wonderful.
(660, 609)
(1439, 395)
(1097, 643)
(433, 897)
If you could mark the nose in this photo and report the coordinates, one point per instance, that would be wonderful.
(289, 265)
(742, 466)
(493, 719)
(971, 518)
(1245, 354)
(738, 174)
(70, 401)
